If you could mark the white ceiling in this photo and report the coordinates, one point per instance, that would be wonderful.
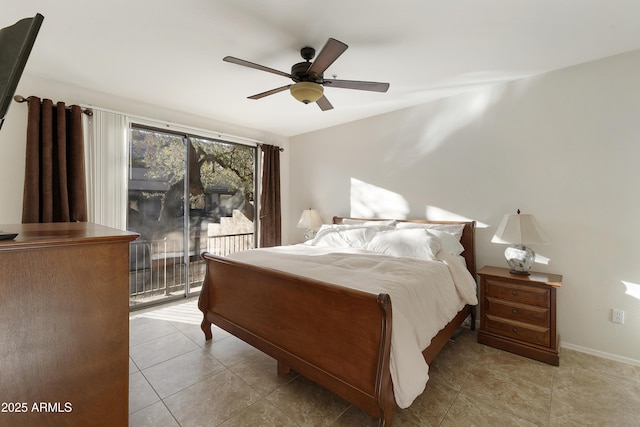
(169, 53)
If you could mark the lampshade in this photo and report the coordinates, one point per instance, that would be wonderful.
(306, 91)
(310, 219)
(519, 230)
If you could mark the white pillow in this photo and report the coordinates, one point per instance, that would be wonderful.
(414, 243)
(448, 242)
(455, 229)
(449, 234)
(342, 236)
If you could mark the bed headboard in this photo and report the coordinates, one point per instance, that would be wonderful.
(467, 240)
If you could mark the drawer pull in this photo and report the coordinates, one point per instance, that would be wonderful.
(514, 330)
(514, 311)
(514, 293)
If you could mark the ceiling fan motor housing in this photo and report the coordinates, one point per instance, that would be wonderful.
(299, 73)
(299, 70)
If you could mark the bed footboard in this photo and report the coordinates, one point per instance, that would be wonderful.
(337, 337)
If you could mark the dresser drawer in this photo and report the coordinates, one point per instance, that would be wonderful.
(517, 311)
(521, 331)
(525, 294)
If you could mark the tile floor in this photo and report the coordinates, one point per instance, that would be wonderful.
(178, 379)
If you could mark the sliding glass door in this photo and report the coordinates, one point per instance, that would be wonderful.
(217, 215)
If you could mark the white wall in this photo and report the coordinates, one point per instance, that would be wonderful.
(563, 146)
(13, 136)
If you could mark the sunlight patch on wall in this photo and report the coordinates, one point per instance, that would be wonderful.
(633, 289)
(371, 201)
(457, 115)
(539, 259)
(429, 127)
(461, 84)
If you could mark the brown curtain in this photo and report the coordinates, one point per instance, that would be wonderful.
(54, 184)
(270, 211)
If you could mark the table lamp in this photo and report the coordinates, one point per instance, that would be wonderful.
(310, 219)
(519, 230)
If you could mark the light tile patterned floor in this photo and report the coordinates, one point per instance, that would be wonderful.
(179, 379)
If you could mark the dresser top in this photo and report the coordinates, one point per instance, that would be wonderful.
(548, 279)
(60, 233)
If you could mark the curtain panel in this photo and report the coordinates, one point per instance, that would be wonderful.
(54, 187)
(107, 159)
(270, 210)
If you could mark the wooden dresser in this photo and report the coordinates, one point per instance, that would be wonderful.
(519, 313)
(64, 325)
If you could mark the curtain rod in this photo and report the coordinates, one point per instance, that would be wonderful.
(89, 112)
(21, 99)
(279, 148)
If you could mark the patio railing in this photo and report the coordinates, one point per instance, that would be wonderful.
(157, 267)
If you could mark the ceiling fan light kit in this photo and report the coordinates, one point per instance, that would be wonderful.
(306, 92)
(308, 77)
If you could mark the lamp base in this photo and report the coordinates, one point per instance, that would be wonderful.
(521, 273)
(310, 234)
(520, 258)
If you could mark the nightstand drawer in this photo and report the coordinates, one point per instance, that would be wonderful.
(521, 331)
(517, 311)
(519, 293)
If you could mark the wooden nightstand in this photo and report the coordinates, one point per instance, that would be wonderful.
(519, 313)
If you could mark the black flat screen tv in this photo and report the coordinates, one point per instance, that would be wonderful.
(16, 42)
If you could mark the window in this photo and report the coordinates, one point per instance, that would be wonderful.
(216, 215)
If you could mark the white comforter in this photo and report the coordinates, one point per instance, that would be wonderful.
(425, 296)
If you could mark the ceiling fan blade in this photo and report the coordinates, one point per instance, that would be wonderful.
(354, 84)
(329, 53)
(269, 92)
(242, 62)
(324, 103)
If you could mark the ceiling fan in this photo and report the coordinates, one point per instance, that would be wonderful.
(308, 78)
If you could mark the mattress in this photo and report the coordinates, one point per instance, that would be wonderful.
(425, 296)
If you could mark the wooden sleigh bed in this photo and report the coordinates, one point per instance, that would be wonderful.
(336, 336)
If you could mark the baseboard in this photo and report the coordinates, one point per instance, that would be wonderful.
(569, 346)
